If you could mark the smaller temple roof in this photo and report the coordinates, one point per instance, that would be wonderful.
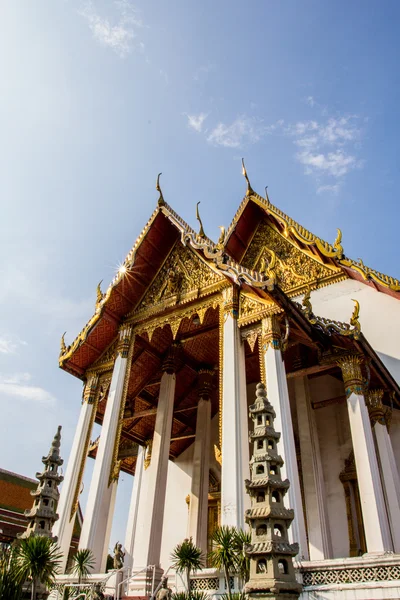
(247, 216)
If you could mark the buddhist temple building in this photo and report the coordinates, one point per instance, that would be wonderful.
(170, 361)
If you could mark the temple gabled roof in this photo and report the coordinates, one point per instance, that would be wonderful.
(259, 232)
(125, 292)
(255, 209)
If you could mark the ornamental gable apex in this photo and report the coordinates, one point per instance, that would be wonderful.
(292, 268)
(255, 208)
(184, 276)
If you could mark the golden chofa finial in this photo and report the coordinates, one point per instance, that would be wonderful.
(99, 294)
(201, 232)
(355, 318)
(266, 194)
(161, 201)
(249, 188)
(221, 239)
(306, 303)
(338, 245)
(63, 347)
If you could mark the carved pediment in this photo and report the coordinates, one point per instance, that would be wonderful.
(183, 277)
(252, 309)
(293, 269)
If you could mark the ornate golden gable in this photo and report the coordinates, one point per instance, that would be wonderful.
(293, 269)
(182, 278)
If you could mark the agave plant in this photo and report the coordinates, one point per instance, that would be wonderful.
(187, 557)
(224, 556)
(82, 563)
(37, 558)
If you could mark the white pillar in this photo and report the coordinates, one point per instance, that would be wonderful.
(278, 395)
(147, 543)
(134, 508)
(100, 505)
(380, 419)
(319, 539)
(373, 508)
(70, 490)
(235, 432)
(198, 507)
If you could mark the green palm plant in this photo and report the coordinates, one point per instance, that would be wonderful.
(223, 556)
(37, 558)
(82, 563)
(242, 538)
(187, 557)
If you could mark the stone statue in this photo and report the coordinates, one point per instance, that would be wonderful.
(118, 556)
(164, 593)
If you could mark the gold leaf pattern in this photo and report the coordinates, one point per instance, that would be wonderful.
(294, 269)
(182, 273)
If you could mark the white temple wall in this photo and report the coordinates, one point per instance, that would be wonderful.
(379, 316)
(176, 509)
(178, 487)
(335, 445)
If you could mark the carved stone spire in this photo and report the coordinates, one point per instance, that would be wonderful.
(271, 567)
(43, 514)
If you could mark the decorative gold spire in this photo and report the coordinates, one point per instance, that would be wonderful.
(354, 321)
(99, 296)
(306, 303)
(249, 188)
(221, 239)
(161, 201)
(63, 347)
(201, 232)
(266, 194)
(338, 245)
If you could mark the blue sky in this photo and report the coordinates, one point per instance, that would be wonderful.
(98, 97)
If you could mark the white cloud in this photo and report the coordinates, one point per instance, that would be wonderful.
(17, 386)
(336, 164)
(9, 344)
(327, 149)
(196, 121)
(119, 36)
(310, 101)
(242, 131)
(333, 188)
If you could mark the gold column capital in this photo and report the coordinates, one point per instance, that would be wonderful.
(352, 376)
(271, 333)
(230, 303)
(124, 341)
(378, 413)
(172, 359)
(205, 383)
(89, 391)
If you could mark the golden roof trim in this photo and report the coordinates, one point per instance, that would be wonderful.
(334, 251)
(212, 254)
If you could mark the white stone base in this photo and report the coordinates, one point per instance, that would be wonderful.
(141, 584)
(369, 577)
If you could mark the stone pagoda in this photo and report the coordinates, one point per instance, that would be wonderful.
(271, 568)
(43, 514)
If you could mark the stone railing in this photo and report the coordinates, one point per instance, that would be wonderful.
(347, 573)
(210, 581)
